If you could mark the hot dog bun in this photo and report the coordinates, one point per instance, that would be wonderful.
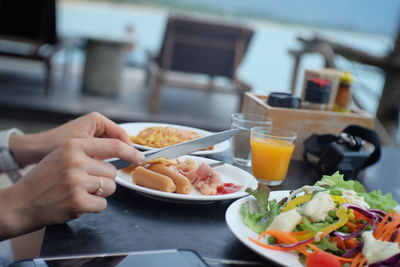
(150, 179)
(183, 185)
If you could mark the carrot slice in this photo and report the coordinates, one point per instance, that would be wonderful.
(381, 224)
(285, 238)
(360, 217)
(352, 226)
(362, 261)
(268, 246)
(384, 231)
(298, 233)
(388, 230)
(288, 239)
(357, 260)
(299, 248)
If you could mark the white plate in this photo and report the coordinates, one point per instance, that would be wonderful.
(228, 173)
(135, 127)
(242, 232)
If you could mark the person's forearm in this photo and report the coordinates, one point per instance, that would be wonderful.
(14, 217)
(26, 148)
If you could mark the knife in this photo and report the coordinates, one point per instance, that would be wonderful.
(180, 149)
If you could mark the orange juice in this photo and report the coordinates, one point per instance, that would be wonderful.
(270, 158)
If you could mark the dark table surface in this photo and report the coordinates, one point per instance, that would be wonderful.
(133, 222)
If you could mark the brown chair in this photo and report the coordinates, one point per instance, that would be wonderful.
(198, 46)
(28, 31)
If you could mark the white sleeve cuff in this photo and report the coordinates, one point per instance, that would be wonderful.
(7, 162)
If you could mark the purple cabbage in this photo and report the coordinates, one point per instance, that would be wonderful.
(363, 211)
(354, 251)
(378, 212)
(295, 244)
(393, 261)
(394, 235)
(367, 213)
(342, 236)
(359, 231)
(375, 224)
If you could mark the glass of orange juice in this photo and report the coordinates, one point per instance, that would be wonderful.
(271, 150)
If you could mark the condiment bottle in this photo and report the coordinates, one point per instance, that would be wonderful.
(317, 94)
(343, 96)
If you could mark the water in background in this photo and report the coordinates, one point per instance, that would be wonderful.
(267, 66)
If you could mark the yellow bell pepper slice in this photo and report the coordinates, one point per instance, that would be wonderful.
(343, 216)
(305, 198)
(339, 199)
(296, 201)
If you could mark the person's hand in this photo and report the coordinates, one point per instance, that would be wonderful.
(31, 148)
(68, 182)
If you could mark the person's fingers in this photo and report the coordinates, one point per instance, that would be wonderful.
(107, 128)
(103, 148)
(93, 203)
(99, 168)
(100, 186)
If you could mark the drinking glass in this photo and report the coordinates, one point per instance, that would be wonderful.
(241, 141)
(271, 149)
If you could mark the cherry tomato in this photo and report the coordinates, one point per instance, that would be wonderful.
(318, 259)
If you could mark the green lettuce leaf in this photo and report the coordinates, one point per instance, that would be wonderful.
(261, 194)
(327, 245)
(375, 198)
(378, 201)
(336, 180)
(313, 227)
(260, 217)
(274, 210)
(251, 218)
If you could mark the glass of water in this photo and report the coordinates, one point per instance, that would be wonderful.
(241, 141)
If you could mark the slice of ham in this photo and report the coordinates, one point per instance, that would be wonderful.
(205, 179)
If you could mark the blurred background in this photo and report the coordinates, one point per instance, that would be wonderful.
(61, 59)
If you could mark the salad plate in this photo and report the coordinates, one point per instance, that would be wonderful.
(135, 127)
(335, 220)
(227, 172)
(242, 232)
